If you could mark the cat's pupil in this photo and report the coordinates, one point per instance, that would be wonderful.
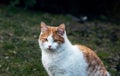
(55, 40)
(46, 39)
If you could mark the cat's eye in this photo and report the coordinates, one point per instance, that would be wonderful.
(55, 40)
(46, 39)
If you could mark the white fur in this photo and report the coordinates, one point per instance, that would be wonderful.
(67, 60)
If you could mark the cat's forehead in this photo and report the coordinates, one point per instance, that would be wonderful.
(50, 31)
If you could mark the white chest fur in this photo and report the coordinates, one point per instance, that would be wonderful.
(69, 62)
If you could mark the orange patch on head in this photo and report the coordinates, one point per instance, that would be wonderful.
(57, 38)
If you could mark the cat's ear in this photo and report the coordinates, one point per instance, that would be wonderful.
(43, 27)
(61, 29)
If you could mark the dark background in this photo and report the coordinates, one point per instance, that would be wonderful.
(110, 8)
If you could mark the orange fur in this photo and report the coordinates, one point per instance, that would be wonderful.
(94, 63)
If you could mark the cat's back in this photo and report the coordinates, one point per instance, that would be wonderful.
(95, 65)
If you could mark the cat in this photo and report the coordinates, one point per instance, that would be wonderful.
(61, 58)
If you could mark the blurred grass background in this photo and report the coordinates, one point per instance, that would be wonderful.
(19, 30)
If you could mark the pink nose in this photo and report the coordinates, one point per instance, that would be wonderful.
(49, 46)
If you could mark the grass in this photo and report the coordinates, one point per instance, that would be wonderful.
(19, 30)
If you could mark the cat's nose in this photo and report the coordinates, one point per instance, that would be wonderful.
(49, 46)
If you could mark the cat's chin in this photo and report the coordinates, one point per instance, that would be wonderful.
(51, 50)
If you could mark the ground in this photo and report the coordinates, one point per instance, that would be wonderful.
(20, 54)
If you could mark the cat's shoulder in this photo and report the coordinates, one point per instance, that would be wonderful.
(89, 54)
(86, 50)
(83, 48)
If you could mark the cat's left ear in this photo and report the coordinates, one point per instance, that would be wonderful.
(61, 29)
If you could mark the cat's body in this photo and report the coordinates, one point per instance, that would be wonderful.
(61, 58)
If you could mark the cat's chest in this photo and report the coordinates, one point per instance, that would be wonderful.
(55, 64)
(54, 60)
(72, 63)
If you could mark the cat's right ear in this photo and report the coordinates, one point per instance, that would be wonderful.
(43, 27)
(61, 29)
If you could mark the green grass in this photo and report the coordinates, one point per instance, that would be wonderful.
(20, 54)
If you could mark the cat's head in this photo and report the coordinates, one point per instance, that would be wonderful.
(51, 38)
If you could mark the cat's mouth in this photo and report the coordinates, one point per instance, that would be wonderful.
(50, 49)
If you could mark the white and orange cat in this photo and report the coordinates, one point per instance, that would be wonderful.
(61, 58)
